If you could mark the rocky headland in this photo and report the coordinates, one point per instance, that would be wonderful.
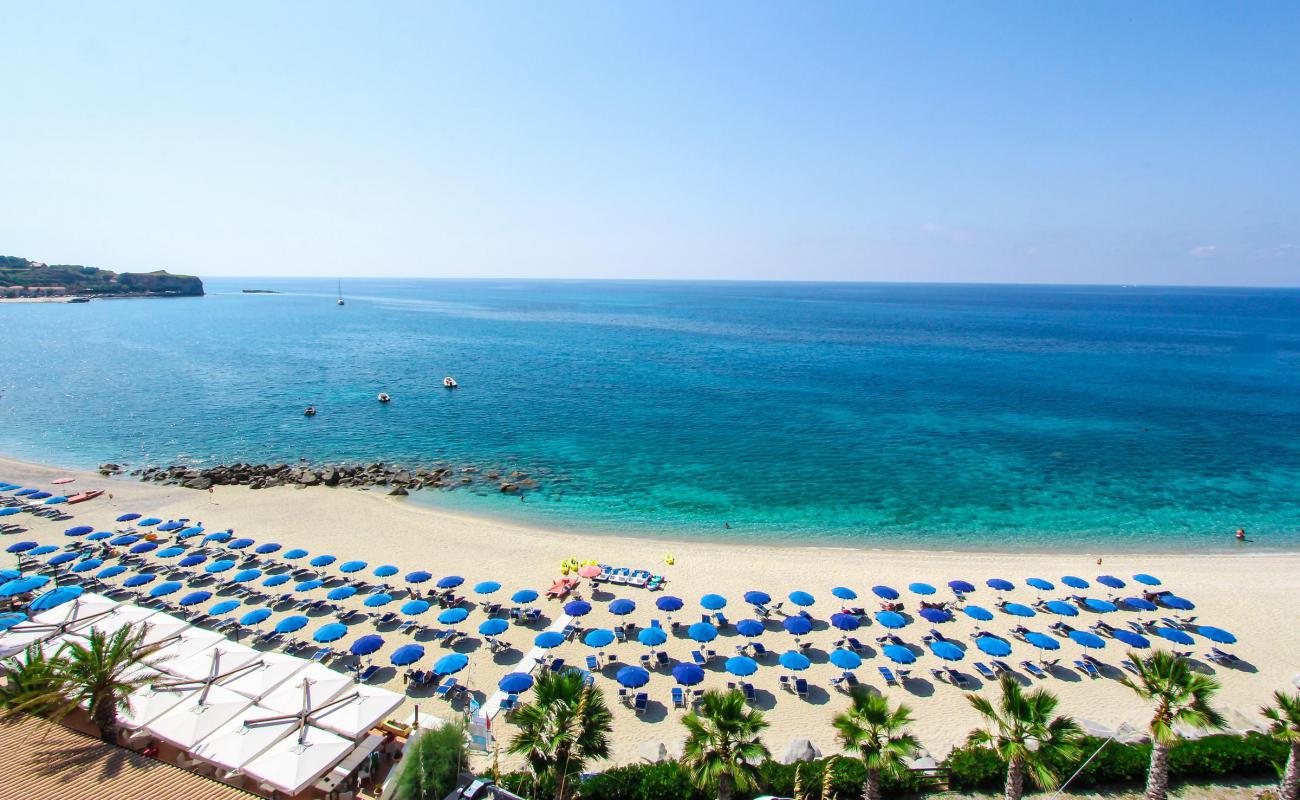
(395, 478)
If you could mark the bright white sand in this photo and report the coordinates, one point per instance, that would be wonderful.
(1253, 596)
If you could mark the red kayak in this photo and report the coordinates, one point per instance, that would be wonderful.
(84, 496)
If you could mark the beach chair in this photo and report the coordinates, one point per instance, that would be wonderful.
(407, 626)
(620, 634)
(1000, 667)
(784, 682)
(593, 664)
(747, 689)
(1127, 663)
(984, 671)
(647, 661)
(679, 697)
(803, 644)
(556, 665)
(957, 679)
(445, 688)
(1087, 668)
(624, 696)
(855, 645)
(845, 682)
(720, 619)
(697, 657)
(1222, 657)
(509, 702)
(639, 578)
(1033, 669)
(569, 631)
(801, 687)
(367, 673)
(642, 703)
(388, 618)
(762, 610)
(322, 653)
(888, 675)
(661, 659)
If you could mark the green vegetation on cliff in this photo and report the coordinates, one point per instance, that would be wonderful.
(21, 276)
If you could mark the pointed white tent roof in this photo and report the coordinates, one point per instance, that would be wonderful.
(295, 762)
(198, 716)
(326, 684)
(224, 658)
(362, 709)
(184, 644)
(122, 616)
(54, 622)
(151, 702)
(161, 627)
(272, 670)
(235, 744)
(85, 606)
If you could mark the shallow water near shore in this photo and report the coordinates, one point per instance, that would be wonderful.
(905, 416)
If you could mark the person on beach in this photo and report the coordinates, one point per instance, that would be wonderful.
(1241, 534)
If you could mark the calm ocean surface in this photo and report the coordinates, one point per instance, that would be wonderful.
(893, 415)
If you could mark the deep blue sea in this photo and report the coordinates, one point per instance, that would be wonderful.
(892, 415)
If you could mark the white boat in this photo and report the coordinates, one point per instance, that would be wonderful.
(383, 397)
(340, 302)
(450, 382)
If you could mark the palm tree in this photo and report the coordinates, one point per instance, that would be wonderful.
(103, 673)
(1180, 696)
(723, 747)
(1285, 717)
(567, 724)
(1025, 733)
(34, 683)
(431, 768)
(879, 734)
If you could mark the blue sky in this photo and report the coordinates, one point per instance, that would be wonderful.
(1022, 142)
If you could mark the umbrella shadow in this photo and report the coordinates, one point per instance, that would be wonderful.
(655, 711)
(1062, 673)
(466, 645)
(920, 687)
(816, 655)
(817, 695)
(507, 657)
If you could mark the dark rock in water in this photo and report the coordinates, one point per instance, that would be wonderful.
(509, 487)
(198, 483)
(308, 478)
(399, 492)
(329, 476)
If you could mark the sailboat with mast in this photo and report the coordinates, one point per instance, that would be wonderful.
(340, 302)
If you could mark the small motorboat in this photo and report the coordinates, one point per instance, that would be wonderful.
(84, 496)
(450, 382)
(310, 412)
(383, 397)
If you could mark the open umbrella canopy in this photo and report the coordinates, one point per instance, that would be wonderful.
(801, 598)
(20, 547)
(452, 616)
(79, 530)
(123, 541)
(219, 536)
(1174, 635)
(1061, 607)
(295, 554)
(999, 584)
(668, 603)
(224, 607)
(7, 621)
(493, 627)
(352, 566)
(921, 588)
(713, 602)
(794, 660)
(23, 585)
(1111, 581)
(845, 622)
(369, 643)
(486, 587)
(524, 596)
(687, 674)
(993, 646)
(750, 628)
(308, 585)
(55, 597)
(844, 593)
(622, 607)
(1018, 610)
(48, 548)
(54, 501)
(590, 571)
(148, 521)
(704, 632)
(192, 561)
(890, 619)
(99, 536)
(62, 558)
(171, 525)
(450, 581)
(651, 637)
(1138, 604)
(1099, 606)
(419, 576)
(291, 624)
(170, 552)
(9, 574)
(188, 532)
(407, 654)
(577, 608)
(757, 598)
(1130, 638)
(1177, 603)
(977, 612)
(194, 598)
(277, 580)
(377, 600)
(144, 547)
(87, 565)
(1074, 582)
(385, 571)
(1144, 578)
(632, 677)
(139, 580)
(947, 651)
(741, 666)
(110, 572)
(549, 639)
(846, 659)
(10, 511)
(255, 616)
(598, 637)
(128, 517)
(163, 589)
(267, 549)
(341, 593)
(1087, 639)
(898, 654)
(220, 566)
(245, 575)
(515, 682)
(322, 561)
(796, 625)
(961, 587)
(450, 664)
(414, 607)
(1042, 641)
(934, 615)
(330, 633)
(239, 544)
(1215, 634)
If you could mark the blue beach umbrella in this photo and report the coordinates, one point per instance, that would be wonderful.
(322, 561)
(308, 585)
(1099, 606)
(1042, 641)
(598, 637)
(290, 624)
(935, 615)
(741, 666)
(1138, 604)
(702, 632)
(1000, 584)
(450, 581)
(7, 621)
(846, 659)
(192, 561)
(794, 660)
(577, 608)
(54, 501)
(978, 612)
(1018, 610)
(524, 596)
(486, 587)
(1144, 578)
(99, 536)
(687, 674)
(1214, 634)
(898, 654)
(369, 643)
(79, 530)
(651, 637)
(452, 616)
(632, 677)
(20, 547)
(39, 496)
(246, 575)
(448, 664)
(493, 627)
(267, 549)
(123, 541)
(87, 565)
(406, 654)
(1174, 635)
(802, 598)
(549, 639)
(1061, 607)
(622, 607)
(188, 532)
(54, 598)
(43, 550)
(348, 567)
(993, 646)
(921, 588)
(757, 598)
(295, 554)
(377, 600)
(1087, 639)
(220, 566)
(515, 682)
(713, 602)
(414, 607)
(750, 628)
(219, 536)
(170, 552)
(194, 598)
(144, 547)
(844, 593)
(277, 580)
(110, 572)
(947, 651)
(1177, 603)
(330, 633)
(9, 512)
(845, 622)
(239, 544)
(171, 525)
(62, 558)
(139, 580)
(164, 589)
(1075, 582)
(223, 608)
(23, 585)
(796, 625)
(961, 587)
(1130, 638)
(9, 574)
(1111, 581)
(385, 571)
(668, 603)
(890, 619)
(255, 616)
(128, 517)
(419, 576)
(341, 593)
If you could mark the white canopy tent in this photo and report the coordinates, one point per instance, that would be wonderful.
(184, 644)
(236, 743)
(295, 762)
(218, 660)
(151, 702)
(323, 685)
(122, 616)
(272, 669)
(360, 710)
(198, 716)
(161, 627)
(55, 622)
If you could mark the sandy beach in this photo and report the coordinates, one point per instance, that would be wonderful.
(1251, 595)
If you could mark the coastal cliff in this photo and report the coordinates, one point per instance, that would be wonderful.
(21, 277)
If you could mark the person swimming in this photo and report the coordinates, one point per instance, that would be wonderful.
(1241, 534)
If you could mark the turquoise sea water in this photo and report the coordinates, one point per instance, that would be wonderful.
(894, 415)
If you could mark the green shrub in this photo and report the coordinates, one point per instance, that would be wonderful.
(642, 782)
(1248, 756)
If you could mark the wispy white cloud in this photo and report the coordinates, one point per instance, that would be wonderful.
(1204, 251)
